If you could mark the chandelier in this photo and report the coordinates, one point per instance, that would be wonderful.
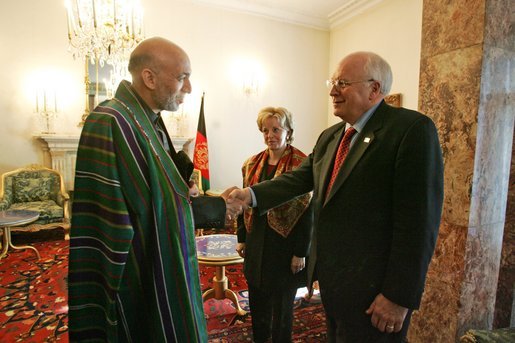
(103, 32)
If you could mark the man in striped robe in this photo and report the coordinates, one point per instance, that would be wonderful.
(133, 272)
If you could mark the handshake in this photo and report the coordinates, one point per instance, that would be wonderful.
(236, 201)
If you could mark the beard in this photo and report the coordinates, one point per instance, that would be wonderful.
(166, 102)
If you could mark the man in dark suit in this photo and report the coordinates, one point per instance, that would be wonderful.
(376, 214)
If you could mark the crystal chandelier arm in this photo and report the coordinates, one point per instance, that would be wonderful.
(107, 31)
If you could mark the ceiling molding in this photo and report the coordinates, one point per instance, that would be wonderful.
(351, 9)
(347, 11)
(286, 16)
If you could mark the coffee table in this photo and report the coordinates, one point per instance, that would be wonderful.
(11, 218)
(219, 250)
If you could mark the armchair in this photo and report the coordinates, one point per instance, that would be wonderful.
(37, 188)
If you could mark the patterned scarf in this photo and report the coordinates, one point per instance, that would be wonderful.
(282, 218)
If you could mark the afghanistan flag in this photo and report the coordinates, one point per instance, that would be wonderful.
(200, 153)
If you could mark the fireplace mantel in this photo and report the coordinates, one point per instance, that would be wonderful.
(63, 153)
(181, 143)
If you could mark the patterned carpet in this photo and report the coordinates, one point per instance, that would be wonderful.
(33, 304)
(308, 326)
(225, 326)
(33, 301)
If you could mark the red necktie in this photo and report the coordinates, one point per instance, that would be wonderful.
(343, 149)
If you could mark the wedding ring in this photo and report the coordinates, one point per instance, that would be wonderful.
(391, 327)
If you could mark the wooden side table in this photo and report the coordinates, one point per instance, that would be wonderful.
(11, 218)
(219, 250)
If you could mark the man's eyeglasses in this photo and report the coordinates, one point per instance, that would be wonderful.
(341, 84)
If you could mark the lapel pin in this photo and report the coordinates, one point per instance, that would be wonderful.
(366, 140)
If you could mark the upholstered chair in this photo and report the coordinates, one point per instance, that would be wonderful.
(37, 188)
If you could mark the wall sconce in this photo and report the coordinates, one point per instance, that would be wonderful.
(250, 83)
(49, 93)
(249, 76)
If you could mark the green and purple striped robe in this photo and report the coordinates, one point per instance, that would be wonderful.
(133, 273)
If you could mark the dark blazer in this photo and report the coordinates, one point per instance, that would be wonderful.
(376, 231)
(268, 255)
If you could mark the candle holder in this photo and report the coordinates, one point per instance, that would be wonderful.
(46, 107)
(48, 119)
(178, 123)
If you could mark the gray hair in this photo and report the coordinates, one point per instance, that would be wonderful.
(140, 61)
(378, 69)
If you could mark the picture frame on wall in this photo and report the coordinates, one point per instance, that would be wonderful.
(394, 100)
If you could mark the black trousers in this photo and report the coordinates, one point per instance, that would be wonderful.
(272, 313)
(340, 331)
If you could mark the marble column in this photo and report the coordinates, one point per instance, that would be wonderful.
(505, 302)
(467, 87)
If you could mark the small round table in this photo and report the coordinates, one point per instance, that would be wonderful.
(12, 218)
(219, 250)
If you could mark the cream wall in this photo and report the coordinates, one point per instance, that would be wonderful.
(393, 30)
(294, 60)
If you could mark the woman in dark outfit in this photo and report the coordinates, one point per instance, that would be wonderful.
(274, 245)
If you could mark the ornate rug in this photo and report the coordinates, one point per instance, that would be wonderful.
(33, 295)
(308, 326)
(33, 301)
(225, 326)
